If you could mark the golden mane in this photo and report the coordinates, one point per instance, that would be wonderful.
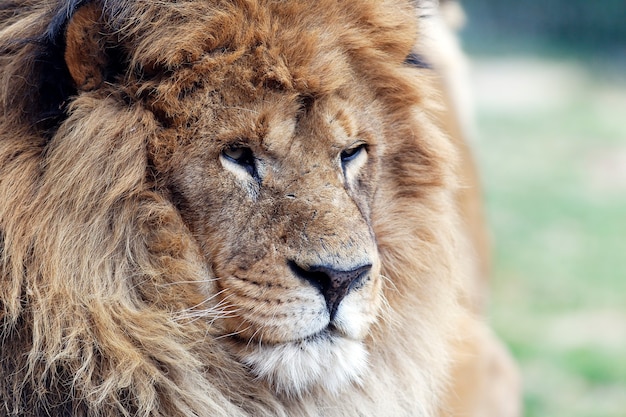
(103, 301)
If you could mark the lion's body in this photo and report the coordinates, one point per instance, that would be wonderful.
(173, 178)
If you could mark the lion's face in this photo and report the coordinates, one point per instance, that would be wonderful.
(276, 188)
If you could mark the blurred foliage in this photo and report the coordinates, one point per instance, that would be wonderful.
(549, 79)
(552, 151)
(582, 25)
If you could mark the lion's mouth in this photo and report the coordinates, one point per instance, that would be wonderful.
(328, 333)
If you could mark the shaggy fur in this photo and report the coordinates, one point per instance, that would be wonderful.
(173, 177)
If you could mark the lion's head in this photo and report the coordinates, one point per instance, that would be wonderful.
(275, 179)
(270, 150)
(239, 191)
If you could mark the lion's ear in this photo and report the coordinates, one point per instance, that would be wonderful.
(88, 52)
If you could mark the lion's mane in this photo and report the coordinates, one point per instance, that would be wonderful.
(101, 310)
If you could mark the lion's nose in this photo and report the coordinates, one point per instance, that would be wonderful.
(333, 284)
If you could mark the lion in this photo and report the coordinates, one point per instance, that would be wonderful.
(225, 208)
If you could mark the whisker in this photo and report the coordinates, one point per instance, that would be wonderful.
(199, 281)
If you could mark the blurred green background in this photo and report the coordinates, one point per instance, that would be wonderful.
(549, 85)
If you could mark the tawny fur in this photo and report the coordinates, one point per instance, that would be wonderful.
(112, 299)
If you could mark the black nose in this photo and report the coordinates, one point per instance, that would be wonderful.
(332, 283)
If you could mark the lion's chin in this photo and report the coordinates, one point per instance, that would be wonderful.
(324, 361)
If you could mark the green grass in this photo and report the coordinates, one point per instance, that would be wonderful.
(554, 167)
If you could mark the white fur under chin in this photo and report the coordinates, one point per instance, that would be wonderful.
(295, 368)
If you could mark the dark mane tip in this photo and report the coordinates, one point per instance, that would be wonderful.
(418, 61)
(55, 33)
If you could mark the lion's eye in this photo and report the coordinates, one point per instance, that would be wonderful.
(243, 157)
(235, 153)
(351, 153)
